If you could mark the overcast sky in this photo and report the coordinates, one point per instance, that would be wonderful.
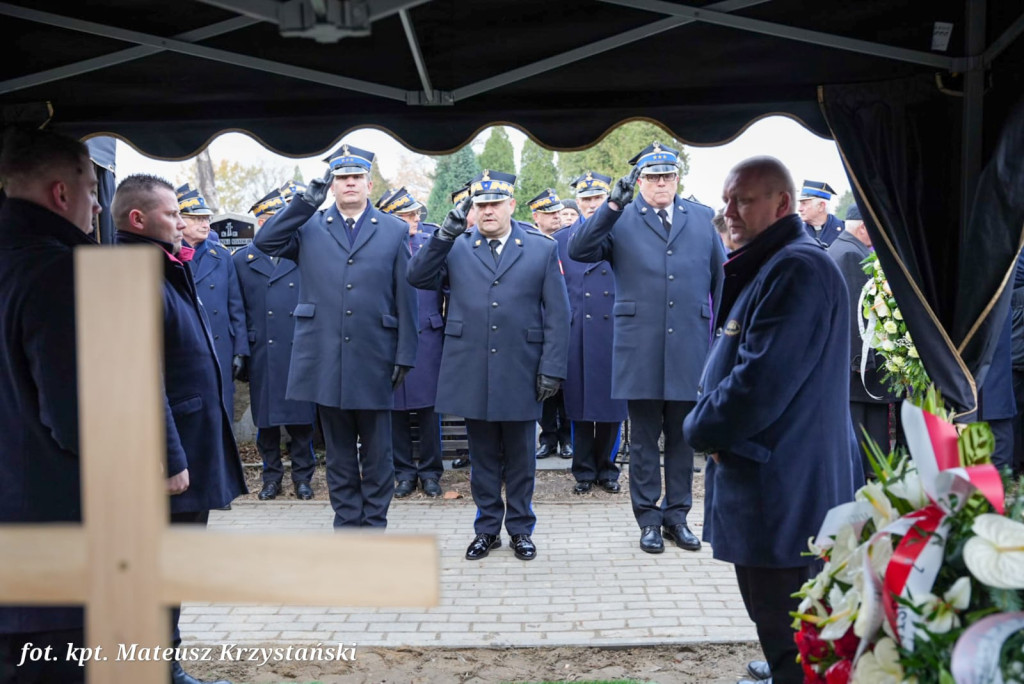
(806, 155)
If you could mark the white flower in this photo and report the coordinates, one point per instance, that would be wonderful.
(886, 288)
(907, 486)
(879, 666)
(996, 555)
(868, 615)
(882, 512)
(912, 352)
(881, 309)
(887, 345)
(891, 327)
(898, 361)
(844, 612)
(843, 549)
(941, 614)
(897, 314)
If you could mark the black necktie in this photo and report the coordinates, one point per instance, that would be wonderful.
(663, 215)
(494, 250)
(350, 224)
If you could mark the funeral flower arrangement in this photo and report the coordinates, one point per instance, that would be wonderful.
(923, 577)
(886, 332)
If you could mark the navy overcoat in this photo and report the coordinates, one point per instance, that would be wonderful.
(830, 230)
(198, 427)
(38, 385)
(270, 293)
(420, 387)
(588, 382)
(506, 323)
(665, 286)
(775, 402)
(218, 290)
(356, 316)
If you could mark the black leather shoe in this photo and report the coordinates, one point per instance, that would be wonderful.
(610, 486)
(650, 539)
(270, 491)
(431, 487)
(303, 491)
(682, 536)
(583, 487)
(523, 547)
(179, 676)
(460, 463)
(544, 451)
(566, 451)
(482, 545)
(759, 670)
(404, 488)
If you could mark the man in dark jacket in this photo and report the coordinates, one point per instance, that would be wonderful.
(270, 291)
(203, 468)
(51, 200)
(776, 422)
(355, 327)
(813, 209)
(504, 352)
(667, 260)
(869, 400)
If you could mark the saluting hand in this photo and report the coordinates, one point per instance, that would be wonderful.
(316, 191)
(455, 222)
(622, 191)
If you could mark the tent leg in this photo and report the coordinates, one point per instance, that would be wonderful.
(974, 98)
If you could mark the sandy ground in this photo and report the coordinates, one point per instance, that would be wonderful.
(661, 664)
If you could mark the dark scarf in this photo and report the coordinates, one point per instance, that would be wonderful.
(744, 264)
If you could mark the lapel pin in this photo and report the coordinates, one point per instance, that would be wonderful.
(477, 243)
(252, 256)
(330, 219)
(643, 210)
(519, 242)
(373, 220)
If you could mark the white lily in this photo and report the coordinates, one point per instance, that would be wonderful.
(843, 550)
(941, 614)
(907, 486)
(869, 613)
(879, 666)
(882, 512)
(844, 612)
(996, 554)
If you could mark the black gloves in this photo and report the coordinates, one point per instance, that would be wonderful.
(316, 191)
(455, 222)
(622, 191)
(547, 387)
(240, 368)
(398, 375)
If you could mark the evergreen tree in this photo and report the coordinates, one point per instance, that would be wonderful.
(844, 203)
(380, 184)
(498, 154)
(537, 172)
(297, 176)
(452, 172)
(611, 156)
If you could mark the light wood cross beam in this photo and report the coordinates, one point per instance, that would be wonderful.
(125, 563)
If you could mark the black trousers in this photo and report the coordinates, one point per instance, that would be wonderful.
(41, 671)
(555, 426)
(875, 419)
(1002, 430)
(300, 450)
(502, 453)
(360, 485)
(430, 466)
(187, 518)
(648, 420)
(766, 595)
(594, 446)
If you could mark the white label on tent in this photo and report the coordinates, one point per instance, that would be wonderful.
(940, 35)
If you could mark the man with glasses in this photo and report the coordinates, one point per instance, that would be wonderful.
(667, 261)
(217, 287)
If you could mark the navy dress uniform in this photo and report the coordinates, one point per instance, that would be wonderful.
(270, 291)
(417, 394)
(596, 417)
(833, 226)
(220, 294)
(355, 327)
(555, 427)
(668, 275)
(506, 339)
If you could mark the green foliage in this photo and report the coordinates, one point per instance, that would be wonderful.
(611, 156)
(380, 183)
(239, 185)
(536, 173)
(976, 444)
(297, 176)
(451, 173)
(498, 153)
(844, 203)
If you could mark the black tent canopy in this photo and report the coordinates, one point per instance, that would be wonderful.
(916, 94)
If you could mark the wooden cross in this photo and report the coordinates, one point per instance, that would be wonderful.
(125, 563)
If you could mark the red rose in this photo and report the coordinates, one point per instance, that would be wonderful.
(846, 647)
(811, 675)
(839, 673)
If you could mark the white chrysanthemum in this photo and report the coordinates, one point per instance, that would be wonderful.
(897, 314)
(996, 554)
(890, 327)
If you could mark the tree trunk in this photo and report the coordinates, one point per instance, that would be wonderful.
(205, 180)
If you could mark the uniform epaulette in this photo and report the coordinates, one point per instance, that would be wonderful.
(538, 233)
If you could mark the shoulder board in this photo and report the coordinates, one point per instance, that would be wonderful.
(534, 231)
